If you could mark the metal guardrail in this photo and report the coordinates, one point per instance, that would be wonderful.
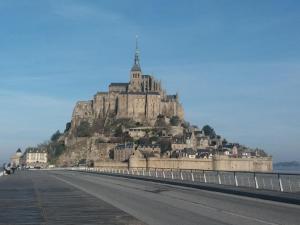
(283, 182)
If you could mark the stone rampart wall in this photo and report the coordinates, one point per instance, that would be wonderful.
(217, 163)
(111, 164)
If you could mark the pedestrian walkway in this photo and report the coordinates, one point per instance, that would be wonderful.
(36, 197)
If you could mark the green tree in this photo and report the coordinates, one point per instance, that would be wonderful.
(209, 131)
(68, 126)
(165, 145)
(185, 125)
(98, 125)
(84, 129)
(119, 131)
(55, 136)
(175, 121)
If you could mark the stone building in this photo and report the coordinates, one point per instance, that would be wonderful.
(142, 99)
(124, 151)
(138, 132)
(16, 158)
(35, 157)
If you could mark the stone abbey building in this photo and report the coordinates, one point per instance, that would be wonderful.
(141, 99)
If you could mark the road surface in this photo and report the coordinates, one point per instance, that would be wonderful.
(145, 202)
(160, 204)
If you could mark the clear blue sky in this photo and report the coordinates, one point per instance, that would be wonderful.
(235, 64)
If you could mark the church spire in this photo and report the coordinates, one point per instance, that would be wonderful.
(136, 65)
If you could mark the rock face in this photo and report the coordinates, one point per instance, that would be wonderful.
(87, 148)
(142, 99)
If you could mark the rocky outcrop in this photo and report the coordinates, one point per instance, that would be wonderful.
(85, 148)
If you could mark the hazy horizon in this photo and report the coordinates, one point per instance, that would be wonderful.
(234, 64)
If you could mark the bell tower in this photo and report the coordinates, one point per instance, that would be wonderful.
(136, 72)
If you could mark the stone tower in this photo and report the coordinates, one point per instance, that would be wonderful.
(135, 73)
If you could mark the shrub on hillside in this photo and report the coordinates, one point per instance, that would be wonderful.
(84, 129)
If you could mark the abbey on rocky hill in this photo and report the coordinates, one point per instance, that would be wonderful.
(142, 100)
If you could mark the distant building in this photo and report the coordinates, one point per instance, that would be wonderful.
(202, 142)
(178, 146)
(16, 158)
(184, 153)
(138, 132)
(35, 157)
(231, 149)
(124, 151)
(204, 154)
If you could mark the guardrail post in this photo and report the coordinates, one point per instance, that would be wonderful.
(235, 179)
(192, 175)
(280, 183)
(156, 173)
(181, 175)
(172, 175)
(204, 176)
(256, 183)
(219, 178)
(164, 174)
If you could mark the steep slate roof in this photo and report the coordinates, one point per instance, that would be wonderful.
(36, 150)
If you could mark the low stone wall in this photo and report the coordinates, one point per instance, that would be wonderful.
(243, 164)
(199, 164)
(216, 163)
(111, 164)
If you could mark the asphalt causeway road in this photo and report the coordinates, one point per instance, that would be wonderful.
(70, 197)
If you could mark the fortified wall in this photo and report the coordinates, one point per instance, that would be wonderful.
(215, 163)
